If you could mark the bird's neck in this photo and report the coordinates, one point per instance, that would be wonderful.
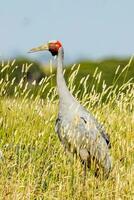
(64, 94)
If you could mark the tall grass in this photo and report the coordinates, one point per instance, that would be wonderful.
(34, 164)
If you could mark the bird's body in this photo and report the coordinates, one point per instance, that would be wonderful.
(77, 129)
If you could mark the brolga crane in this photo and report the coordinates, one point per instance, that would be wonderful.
(77, 129)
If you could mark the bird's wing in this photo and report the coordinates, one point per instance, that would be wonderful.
(97, 140)
(103, 133)
(88, 118)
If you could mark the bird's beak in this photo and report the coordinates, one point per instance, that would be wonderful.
(40, 48)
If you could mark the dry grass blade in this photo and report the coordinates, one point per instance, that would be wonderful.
(34, 164)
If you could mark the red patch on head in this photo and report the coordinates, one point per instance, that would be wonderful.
(58, 44)
(54, 47)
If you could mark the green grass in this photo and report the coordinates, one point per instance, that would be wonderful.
(35, 165)
(102, 71)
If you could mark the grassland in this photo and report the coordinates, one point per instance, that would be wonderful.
(34, 164)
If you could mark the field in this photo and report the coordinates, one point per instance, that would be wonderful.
(34, 164)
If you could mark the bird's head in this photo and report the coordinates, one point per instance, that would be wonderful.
(52, 46)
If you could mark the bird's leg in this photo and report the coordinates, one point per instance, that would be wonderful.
(84, 172)
(89, 163)
(85, 157)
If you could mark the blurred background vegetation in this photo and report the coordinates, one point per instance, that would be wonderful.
(32, 72)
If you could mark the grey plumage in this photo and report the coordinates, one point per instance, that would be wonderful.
(78, 130)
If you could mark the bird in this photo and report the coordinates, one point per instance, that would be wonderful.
(78, 130)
